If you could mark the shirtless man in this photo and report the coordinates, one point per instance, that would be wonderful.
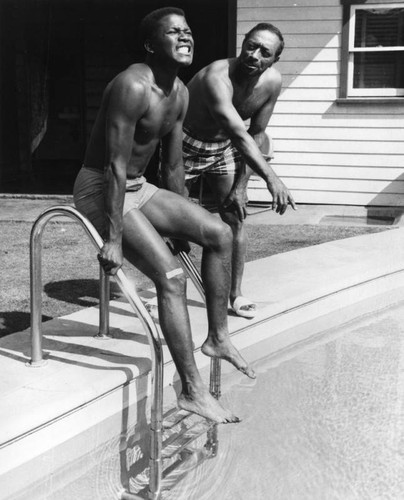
(141, 106)
(216, 142)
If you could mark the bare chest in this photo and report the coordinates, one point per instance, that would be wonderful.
(248, 103)
(159, 120)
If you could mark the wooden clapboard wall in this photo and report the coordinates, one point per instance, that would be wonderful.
(326, 153)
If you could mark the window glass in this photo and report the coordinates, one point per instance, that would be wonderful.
(379, 28)
(378, 70)
(376, 53)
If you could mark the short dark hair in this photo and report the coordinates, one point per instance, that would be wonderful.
(268, 27)
(149, 24)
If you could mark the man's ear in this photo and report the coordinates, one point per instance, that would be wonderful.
(148, 47)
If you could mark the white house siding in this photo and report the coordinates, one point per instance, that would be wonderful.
(326, 153)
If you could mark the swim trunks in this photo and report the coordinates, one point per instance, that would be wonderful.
(213, 157)
(88, 195)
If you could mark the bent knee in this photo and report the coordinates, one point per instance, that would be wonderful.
(221, 237)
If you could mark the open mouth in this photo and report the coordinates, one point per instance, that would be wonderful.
(184, 49)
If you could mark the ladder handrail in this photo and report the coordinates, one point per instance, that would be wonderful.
(153, 336)
(156, 417)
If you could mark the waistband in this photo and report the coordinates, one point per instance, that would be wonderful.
(217, 142)
(131, 184)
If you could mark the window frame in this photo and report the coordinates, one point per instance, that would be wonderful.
(347, 91)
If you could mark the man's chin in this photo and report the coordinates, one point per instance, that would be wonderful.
(185, 63)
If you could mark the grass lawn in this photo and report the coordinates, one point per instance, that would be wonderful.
(70, 269)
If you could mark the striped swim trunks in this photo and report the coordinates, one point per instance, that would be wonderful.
(215, 157)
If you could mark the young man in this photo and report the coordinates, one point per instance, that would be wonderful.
(216, 142)
(143, 105)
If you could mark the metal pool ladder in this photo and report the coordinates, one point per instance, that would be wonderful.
(37, 359)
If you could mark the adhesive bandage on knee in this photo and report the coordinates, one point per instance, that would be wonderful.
(173, 273)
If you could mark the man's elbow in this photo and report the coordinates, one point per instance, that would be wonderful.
(242, 141)
(238, 135)
(116, 169)
(263, 142)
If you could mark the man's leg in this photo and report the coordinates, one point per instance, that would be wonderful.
(221, 186)
(145, 249)
(176, 217)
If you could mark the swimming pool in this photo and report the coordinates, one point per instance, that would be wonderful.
(79, 426)
(324, 420)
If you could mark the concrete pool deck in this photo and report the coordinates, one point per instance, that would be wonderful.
(89, 390)
(53, 418)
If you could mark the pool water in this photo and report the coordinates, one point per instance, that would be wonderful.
(324, 420)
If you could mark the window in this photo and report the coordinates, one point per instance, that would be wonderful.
(375, 59)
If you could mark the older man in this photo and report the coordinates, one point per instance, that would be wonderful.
(217, 144)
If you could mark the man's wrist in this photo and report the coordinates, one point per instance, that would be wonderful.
(271, 181)
(241, 186)
(114, 239)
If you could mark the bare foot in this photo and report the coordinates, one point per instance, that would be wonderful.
(204, 404)
(226, 350)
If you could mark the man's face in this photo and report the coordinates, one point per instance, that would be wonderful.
(174, 39)
(258, 52)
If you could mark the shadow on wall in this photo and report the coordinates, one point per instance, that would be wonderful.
(394, 193)
(388, 198)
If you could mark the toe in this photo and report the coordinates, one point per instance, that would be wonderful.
(248, 371)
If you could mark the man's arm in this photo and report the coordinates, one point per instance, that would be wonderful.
(218, 98)
(259, 121)
(125, 107)
(257, 129)
(172, 163)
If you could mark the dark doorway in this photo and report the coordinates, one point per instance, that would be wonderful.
(59, 155)
(62, 54)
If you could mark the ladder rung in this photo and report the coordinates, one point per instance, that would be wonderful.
(175, 417)
(183, 440)
(178, 469)
(181, 426)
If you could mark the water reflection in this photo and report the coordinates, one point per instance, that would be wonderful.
(324, 422)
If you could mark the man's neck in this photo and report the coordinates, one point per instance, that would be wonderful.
(164, 75)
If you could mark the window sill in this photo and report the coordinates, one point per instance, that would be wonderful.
(370, 100)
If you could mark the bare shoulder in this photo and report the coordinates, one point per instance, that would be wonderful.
(208, 76)
(215, 79)
(135, 81)
(220, 65)
(272, 78)
(217, 70)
